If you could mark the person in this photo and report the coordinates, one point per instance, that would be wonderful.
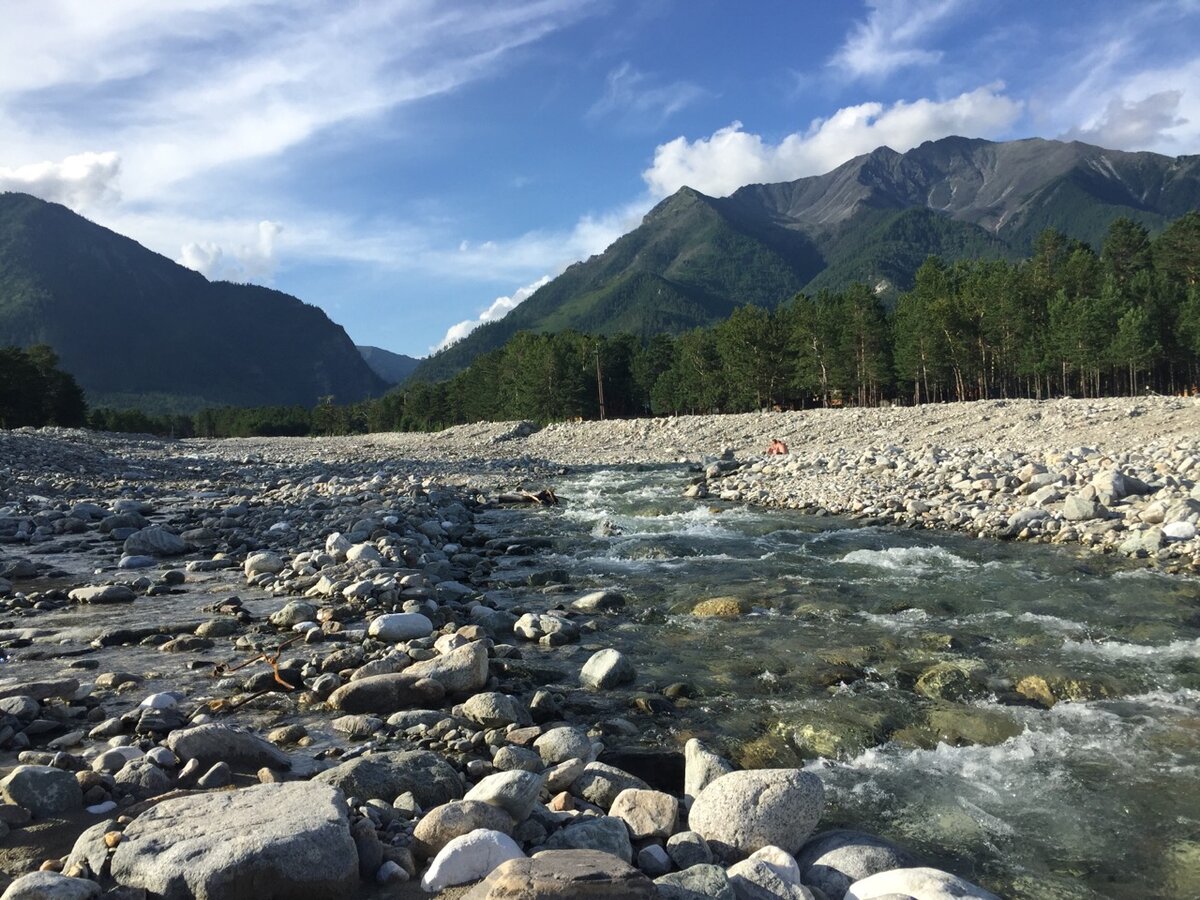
(776, 447)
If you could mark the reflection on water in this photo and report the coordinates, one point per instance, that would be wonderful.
(1025, 716)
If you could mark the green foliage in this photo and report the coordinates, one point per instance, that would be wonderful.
(34, 391)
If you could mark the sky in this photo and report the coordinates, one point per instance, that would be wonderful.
(415, 167)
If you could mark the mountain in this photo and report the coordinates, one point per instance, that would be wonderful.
(391, 367)
(136, 329)
(875, 218)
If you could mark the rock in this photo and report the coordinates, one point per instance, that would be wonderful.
(954, 680)
(461, 671)
(744, 811)
(108, 593)
(51, 886)
(607, 669)
(560, 744)
(560, 777)
(696, 883)
(442, 824)
(368, 847)
(1077, 508)
(212, 743)
(469, 858)
(653, 860)
(701, 767)
(833, 860)
(565, 875)
(43, 790)
(218, 776)
(508, 758)
(648, 814)
(261, 842)
(66, 688)
(400, 627)
(494, 710)
(1143, 543)
(515, 792)
(605, 833)
(365, 552)
(687, 849)
(293, 613)
(264, 562)
(721, 608)
(1179, 531)
(600, 784)
(154, 541)
(921, 883)
(756, 879)
(385, 776)
(144, 779)
(599, 601)
(387, 694)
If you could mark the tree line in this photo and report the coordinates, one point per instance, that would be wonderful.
(1066, 322)
(35, 392)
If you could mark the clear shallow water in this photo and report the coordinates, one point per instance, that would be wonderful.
(1098, 796)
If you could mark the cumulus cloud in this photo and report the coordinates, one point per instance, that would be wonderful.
(730, 158)
(634, 100)
(244, 262)
(888, 39)
(1133, 125)
(80, 181)
(499, 308)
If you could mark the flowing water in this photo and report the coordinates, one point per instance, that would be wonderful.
(1096, 796)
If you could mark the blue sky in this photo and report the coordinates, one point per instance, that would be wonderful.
(413, 167)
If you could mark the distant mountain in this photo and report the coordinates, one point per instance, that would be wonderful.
(391, 367)
(136, 329)
(875, 218)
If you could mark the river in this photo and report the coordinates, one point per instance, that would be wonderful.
(1097, 795)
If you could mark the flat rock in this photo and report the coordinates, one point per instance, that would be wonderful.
(920, 882)
(744, 811)
(212, 743)
(106, 593)
(385, 776)
(387, 693)
(567, 874)
(51, 886)
(266, 842)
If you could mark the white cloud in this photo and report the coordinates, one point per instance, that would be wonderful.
(80, 181)
(243, 262)
(1133, 125)
(499, 308)
(730, 158)
(634, 99)
(889, 38)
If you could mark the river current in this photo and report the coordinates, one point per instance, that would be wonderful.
(1096, 795)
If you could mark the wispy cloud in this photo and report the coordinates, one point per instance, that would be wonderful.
(891, 37)
(635, 99)
(731, 157)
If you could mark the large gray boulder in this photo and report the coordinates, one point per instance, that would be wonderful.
(607, 834)
(385, 776)
(51, 886)
(744, 811)
(154, 541)
(461, 671)
(701, 767)
(495, 710)
(925, 883)
(444, 823)
(756, 879)
(515, 792)
(387, 693)
(601, 783)
(267, 842)
(698, 882)
(607, 669)
(212, 743)
(43, 790)
(833, 860)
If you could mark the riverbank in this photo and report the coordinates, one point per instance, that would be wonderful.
(394, 633)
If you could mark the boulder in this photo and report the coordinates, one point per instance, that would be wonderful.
(957, 680)
(756, 879)
(600, 784)
(922, 883)
(442, 824)
(385, 776)
(293, 613)
(514, 792)
(99, 594)
(604, 833)
(701, 767)
(560, 744)
(744, 811)
(565, 874)
(461, 671)
(266, 842)
(154, 541)
(607, 669)
(387, 693)
(43, 790)
(833, 860)
(697, 882)
(51, 886)
(400, 627)
(264, 562)
(647, 814)
(212, 743)
(1077, 508)
(721, 608)
(469, 858)
(599, 601)
(687, 849)
(495, 710)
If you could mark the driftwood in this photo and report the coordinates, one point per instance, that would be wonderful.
(544, 497)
